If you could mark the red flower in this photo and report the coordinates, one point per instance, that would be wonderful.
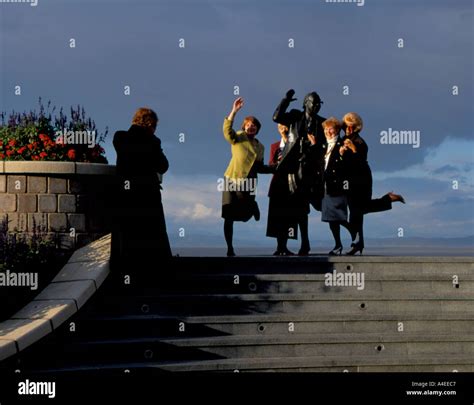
(21, 150)
(35, 157)
(12, 142)
(10, 152)
(71, 154)
(42, 155)
(2, 156)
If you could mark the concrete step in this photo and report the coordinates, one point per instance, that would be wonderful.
(165, 326)
(317, 265)
(75, 352)
(413, 363)
(270, 284)
(206, 304)
(293, 345)
(277, 323)
(336, 364)
(258, 346)
(381, 267)
(394, 350)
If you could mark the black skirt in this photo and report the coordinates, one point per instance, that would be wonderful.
(282, 217)
(238, 205)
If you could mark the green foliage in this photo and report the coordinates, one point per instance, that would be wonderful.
(34, 136)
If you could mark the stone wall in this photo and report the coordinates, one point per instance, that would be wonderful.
(69, 201)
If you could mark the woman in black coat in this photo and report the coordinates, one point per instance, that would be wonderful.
(332, 172)
(354, 152)
(140, 237)
(283, 213)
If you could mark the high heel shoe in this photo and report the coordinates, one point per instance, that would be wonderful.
(336, 251)
(396, 197)
(356, 247)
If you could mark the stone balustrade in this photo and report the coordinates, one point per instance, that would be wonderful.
(68, 201)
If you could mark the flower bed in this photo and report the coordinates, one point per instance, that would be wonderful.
(43, 135)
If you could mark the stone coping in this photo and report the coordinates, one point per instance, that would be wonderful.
(75, 283)
(13, 167)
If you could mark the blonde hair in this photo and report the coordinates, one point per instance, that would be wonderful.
(145, 117)
(332, 122)
(353, 119)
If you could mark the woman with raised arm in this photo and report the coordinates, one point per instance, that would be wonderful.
(240, 183)
(354, 152)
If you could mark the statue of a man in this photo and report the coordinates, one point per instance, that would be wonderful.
(305, 132)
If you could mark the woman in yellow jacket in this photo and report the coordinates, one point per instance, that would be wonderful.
(240, 182)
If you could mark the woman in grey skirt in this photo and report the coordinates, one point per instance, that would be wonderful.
(333, 173)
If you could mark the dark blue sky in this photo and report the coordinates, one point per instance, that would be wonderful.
(245, 43)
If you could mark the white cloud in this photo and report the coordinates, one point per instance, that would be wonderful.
(457, 154)
(197, 212)
(191, 199)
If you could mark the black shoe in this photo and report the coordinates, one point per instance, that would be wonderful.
(230, 253)
(357, 247)
(303, 252)
(336, 251)
(283, 252)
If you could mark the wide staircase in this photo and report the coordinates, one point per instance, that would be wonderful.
(250, 314)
